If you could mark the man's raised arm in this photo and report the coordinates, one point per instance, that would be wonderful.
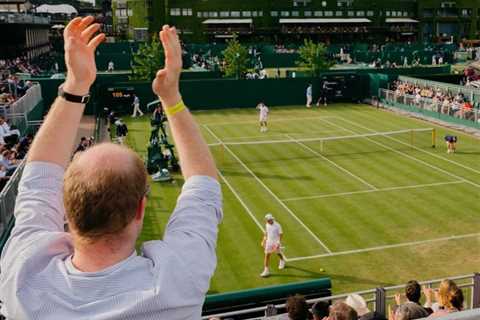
(55, 140)
(195, 157)
(192, 230)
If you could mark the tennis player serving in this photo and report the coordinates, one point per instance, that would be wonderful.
(272, 244)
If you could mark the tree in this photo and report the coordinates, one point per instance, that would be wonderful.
(236, 58)
(148, 60)
(313, 57)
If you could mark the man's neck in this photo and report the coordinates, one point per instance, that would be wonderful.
(99, 256)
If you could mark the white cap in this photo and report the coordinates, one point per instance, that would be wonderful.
(269, 216)
(357, 302)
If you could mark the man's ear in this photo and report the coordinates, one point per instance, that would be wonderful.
(141, 209)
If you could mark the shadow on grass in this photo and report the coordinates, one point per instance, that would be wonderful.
(232, 173)
(302, 273)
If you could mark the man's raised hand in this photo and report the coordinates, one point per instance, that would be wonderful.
(166, 83)
(80, 46)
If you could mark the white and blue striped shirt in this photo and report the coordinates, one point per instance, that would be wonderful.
(168, 280)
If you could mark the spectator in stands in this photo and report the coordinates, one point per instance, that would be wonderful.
(94, 270)
(83, 145)
(342, 311)
(357, 302)
(111, 66)
(297, 308)
(408, 311)
(320, 310)
(8, 135)
(413, 293)
(449, 299)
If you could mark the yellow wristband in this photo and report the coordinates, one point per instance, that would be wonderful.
(170, 111)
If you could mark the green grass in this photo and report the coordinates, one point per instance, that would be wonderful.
(425, 195)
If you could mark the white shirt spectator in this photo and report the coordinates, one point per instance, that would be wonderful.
(167, 280)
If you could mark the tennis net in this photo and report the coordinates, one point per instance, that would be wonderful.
(292, 147)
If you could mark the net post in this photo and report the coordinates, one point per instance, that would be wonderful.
(434, 138)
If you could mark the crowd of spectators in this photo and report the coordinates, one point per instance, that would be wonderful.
(448, 298)
(323, 29)
(436, 99)
(13, 148)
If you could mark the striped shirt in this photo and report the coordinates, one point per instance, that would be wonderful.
(167, 280)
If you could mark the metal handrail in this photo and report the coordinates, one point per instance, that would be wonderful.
(429, 283)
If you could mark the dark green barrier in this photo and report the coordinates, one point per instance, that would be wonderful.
(252, 298)
(229, 93)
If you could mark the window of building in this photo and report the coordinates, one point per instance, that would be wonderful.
(285, 13)
(318, 13)
(405, 13)
(466, 12)
(370, 13)
(199, 14)
(295, 14)
(427, 12)
(328, 13)
(344, 3)
(224, 14)
(307, 13)
(246, 14)
(387, 13)
(361, 13)
(175, 12)
(350, 13)
(187, 12)
(235, 14)
(254, 14)
(301, 3)
(324, 4)
(260, 13)
(338, 13)
(274, 13)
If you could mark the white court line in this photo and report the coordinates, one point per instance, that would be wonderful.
(371, 186)
(331, 195)
(403, 153)
(427, 152)
(270, 191)
(235, 193)
(270, 120)
(241, 201)
(390, 246)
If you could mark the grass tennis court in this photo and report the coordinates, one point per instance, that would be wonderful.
(371, 210)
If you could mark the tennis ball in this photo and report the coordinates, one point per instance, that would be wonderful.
(322, 270)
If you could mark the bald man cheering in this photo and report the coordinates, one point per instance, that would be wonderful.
(94, 271)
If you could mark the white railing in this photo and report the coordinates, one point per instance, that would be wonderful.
(392, 98)
(377, 299)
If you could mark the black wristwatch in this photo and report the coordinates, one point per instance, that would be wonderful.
(73, 98)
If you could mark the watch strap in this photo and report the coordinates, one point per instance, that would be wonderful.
(73, 98)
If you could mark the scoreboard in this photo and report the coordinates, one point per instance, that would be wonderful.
(119, 99)
(342, 87)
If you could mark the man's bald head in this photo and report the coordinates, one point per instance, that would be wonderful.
(103, 190)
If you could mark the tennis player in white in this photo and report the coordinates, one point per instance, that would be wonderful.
(263, 116)
(272, 244)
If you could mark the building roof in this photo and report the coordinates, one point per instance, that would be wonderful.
(400, 20)
(57, 8)
(228, 21)
(325, 20)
